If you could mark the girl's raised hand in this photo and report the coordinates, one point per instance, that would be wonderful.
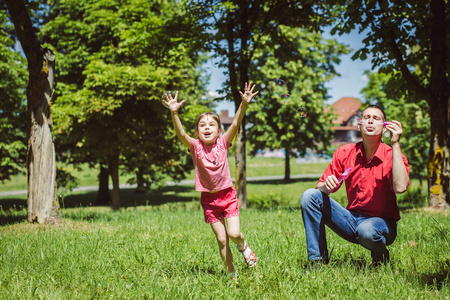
(248, 92)
(172, 103)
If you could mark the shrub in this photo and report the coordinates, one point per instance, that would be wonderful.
(266, 201)
(414, 198)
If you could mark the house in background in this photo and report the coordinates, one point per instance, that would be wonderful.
(225, 120)
(345, 126)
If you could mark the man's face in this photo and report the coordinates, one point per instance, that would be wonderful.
(371, 122)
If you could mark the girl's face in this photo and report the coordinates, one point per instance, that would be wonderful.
(208, 130)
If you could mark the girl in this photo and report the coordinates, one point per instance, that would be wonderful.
(212, 175)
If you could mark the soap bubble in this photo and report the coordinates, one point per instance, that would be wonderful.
(279, 88)
(302, 112)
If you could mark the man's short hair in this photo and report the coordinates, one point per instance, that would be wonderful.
(375, 106)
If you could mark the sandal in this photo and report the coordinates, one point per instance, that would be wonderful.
(252, 259)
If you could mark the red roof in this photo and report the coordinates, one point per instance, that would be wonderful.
(224, 118)
(345, 108)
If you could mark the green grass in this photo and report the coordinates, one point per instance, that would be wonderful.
(166, 251)
(158, 247)
(256, 166)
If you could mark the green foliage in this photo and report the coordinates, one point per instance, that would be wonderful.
(239, 33)
(407, 22)
(13, 120)
(406, 40)
(65, 180)
(398, 104)
(264, 41)
(264, 201)
(415, 197)
(116, 62)
(305, 62)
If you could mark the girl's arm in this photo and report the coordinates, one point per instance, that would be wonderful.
(174, 106)
(246, 97)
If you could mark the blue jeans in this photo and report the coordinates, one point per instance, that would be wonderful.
(319, 209)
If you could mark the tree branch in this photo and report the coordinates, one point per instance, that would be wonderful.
(415, 85)
(24, 28)
(389, 38)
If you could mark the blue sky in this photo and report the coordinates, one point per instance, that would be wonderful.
(349, 84)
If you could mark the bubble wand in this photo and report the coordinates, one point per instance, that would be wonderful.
(341, 178)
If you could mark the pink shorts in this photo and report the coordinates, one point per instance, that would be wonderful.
(223, 204)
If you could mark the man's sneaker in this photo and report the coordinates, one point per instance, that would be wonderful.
(315, 265)
(380, 258)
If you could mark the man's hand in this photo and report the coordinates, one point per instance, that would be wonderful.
(395, 127)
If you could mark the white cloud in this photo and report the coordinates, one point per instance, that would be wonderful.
(364, 78)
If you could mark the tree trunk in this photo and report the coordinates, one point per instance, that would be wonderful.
(287, 168)
(114, 172)
(439, 157)
(103, 196)
(42, 202)
(437, 95)
(438, 178)
(240, 170)
(141, 188)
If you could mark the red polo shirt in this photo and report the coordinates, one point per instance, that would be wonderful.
(369, 185)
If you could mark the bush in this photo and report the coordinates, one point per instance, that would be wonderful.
(266, 201)
(414, 198)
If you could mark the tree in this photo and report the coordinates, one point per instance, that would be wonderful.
(13, 128)
(43, 205)
(237, 27)
(293, 118)
(118, 60)
(411, 37)
(402, 105)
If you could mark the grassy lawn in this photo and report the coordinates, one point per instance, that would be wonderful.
(256, 166)
(166, 251)
(158, 247)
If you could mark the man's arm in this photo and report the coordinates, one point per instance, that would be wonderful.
(400, 176)
(321, 186)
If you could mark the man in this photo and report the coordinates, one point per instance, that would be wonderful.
(378, 172)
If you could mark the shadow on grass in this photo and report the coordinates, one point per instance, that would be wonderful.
(129, 198)
(195, 270)
(10, 220)
(438, 278)
(14, 204)
(14, 207)
(282, 182)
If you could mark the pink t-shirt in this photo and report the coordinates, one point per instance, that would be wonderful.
(210, 177)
